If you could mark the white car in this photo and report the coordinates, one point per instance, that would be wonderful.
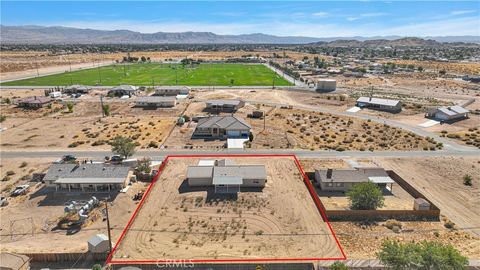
(20, 190)
(3, 201)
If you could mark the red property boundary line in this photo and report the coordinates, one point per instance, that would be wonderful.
(162, 166)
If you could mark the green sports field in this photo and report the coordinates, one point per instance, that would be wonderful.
(149, 74)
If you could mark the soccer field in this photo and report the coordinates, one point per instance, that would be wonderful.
(149, 74)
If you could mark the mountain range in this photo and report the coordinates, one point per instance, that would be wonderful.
(32, 34)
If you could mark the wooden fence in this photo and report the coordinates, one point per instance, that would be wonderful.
(66, 257)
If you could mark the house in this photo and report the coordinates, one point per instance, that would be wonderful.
(222, 127)
(156, 102)
(381, 104)
(55, 94)
(87, 177)
(12, 261)
(448, 114)
(226, 176)
(343, 179)
(224, 105)
(123, 90)
(77, 89)
(171, 90)
(34, 102)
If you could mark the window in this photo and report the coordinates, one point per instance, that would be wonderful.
(255, 181)
(339, 184)
(329, 184)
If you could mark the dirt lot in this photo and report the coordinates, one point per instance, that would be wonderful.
(363, 240)
(183, 223)
(436, 178)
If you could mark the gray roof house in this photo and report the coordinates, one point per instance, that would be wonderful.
(171, 90)
(92, 177)
(33, 102)
(448, 114)
(344, 179)
(222, 127)
(77, 89)
(156, 102)
(224, 105)
(123, 90)
(389, 105)
(226, 176)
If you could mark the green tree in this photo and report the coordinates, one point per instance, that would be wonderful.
(232, 81)
(97, 267)
(425, 255)
(70, 106)
(2, 118)
(250, 136)
(123, 146)
(144, 165)
(106, 109)
(338, 265)
(365, 196)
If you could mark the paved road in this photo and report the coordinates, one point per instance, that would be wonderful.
(159, 154)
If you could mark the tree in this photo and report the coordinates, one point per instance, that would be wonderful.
(123, 146)
(467, 180)
(365, 196)
(144, 165)
(2, 118)
(70, 107)
(232, 81)
(250, 136)
(423, 255)
(143, 59)
(338, 265)
(106, 109)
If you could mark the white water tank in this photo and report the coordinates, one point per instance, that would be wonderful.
(326, 85)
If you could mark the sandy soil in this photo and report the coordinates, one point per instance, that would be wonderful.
(441, 180)
(363, 240)
(183, 223)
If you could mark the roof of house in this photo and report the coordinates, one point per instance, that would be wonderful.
(225, 122)
(200, 172)
(222, 102)
(453, 110)
(124, 87)
(357, 175)
(378, 101)
(13, 261)
(172, 88)
(243, 171)
(86, 173)
(155, 99)
(34, 100)
(78, 87)
(227, 180)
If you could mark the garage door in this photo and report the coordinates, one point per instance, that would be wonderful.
(233, 133)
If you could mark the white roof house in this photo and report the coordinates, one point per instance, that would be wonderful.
(448, 113)
(390, 105)
(156, 101)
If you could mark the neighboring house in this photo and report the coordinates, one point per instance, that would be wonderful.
(226, 176)
(87, 177)
(344, 179)
(77, 89)
(381, 104)
(453, 113)
(12, 261)
(34, 102)
(156, 102)
(171, 90)
(222, 127)
(123, 90)
(224, 105)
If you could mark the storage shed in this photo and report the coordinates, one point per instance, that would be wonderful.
(421, 204)
(98, 244)
(326, 85)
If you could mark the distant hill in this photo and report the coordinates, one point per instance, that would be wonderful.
(31, 34)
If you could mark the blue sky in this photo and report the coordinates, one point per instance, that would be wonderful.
(285, 18)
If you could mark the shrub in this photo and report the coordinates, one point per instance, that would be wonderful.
(467, 180)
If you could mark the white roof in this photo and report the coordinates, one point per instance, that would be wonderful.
(381, 179)
(206, 162)
(227, 180)
(378, 101)
(458, 109)
(97, 239)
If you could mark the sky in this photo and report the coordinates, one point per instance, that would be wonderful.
(284, 18)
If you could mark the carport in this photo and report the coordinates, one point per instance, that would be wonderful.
(382, 181)
(227, 184)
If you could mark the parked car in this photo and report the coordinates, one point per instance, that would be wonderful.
(116, 159)
(69, 158)
(3, 201)
(20, 190)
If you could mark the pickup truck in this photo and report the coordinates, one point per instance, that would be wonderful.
(20, 190)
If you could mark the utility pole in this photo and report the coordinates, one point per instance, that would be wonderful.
(101, 104)
(36, 65)
(108, 226)
(99, 73)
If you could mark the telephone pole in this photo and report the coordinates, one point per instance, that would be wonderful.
(101, 104)
(108, 226)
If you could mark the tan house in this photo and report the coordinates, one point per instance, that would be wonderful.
(34, 102)
(222, 127)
